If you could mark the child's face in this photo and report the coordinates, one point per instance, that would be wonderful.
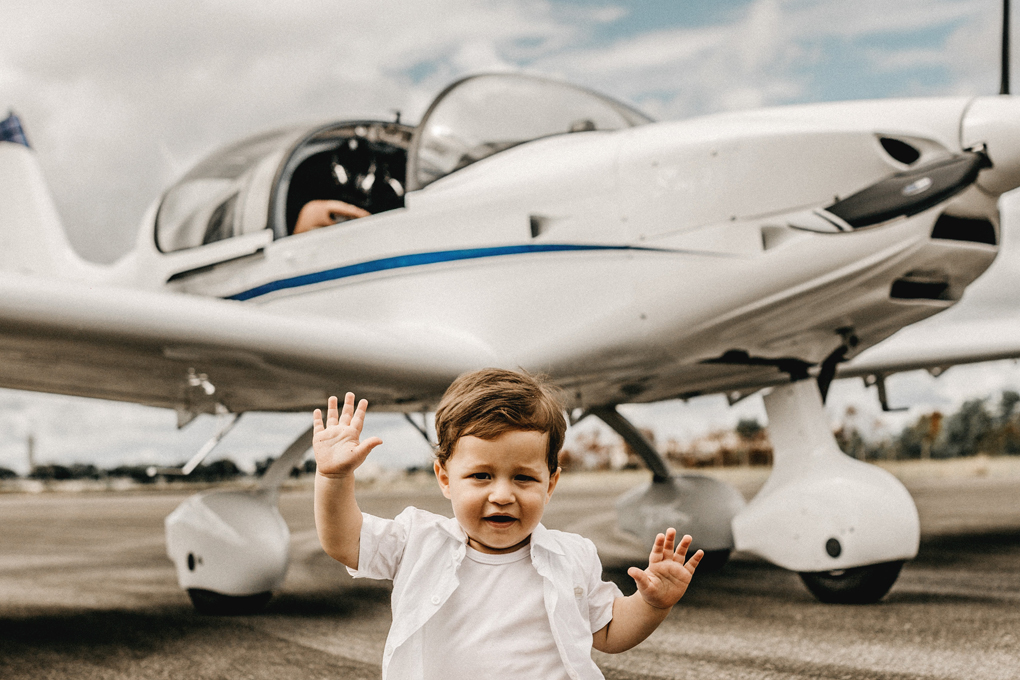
(499, 487)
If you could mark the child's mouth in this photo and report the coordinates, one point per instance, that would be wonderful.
(501, 520)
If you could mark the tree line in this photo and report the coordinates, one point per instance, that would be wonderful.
(216, 471)
(980, 426)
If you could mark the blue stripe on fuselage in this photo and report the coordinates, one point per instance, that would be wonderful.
(415, 260)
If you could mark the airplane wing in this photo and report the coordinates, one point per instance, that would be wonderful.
(194, 354)
(197, 354)
(938, 343)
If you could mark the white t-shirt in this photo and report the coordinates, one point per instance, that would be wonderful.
(494, 625)
(423, 553)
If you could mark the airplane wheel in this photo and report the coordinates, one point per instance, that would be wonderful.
(217, 604)
(857, 585)
(713, 560)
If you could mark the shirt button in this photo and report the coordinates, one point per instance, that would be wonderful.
(435, 599)
(578, 591)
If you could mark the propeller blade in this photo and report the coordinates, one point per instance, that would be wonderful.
(1004, 85)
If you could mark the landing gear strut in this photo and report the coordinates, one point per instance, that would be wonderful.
(845, 526)
(692, 504)
(232, 548)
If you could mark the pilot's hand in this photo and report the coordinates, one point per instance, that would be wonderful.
(337, 445)
(666, 579)
(322, 213)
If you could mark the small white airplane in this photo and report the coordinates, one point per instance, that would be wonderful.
(532, 223)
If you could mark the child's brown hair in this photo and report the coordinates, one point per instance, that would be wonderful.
(488, 402)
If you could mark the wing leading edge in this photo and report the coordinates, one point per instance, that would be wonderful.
(197, 354)
(937, 344)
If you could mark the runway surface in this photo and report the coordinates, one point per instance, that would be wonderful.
(86, 591)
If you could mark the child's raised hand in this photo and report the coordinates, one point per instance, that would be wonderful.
(337, 445)
(666, 579)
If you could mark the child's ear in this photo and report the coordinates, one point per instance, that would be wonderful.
(553, 479)
(442, 477)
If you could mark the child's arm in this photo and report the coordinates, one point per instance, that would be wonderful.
(338, 453)
(660, 586)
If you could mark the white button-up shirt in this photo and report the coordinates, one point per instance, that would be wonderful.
(421, 553)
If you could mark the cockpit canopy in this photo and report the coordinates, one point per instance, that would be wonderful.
(362, 164)
(482, 115)
(208, 204)
(264, 181)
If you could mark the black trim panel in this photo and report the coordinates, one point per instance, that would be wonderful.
(910, 192)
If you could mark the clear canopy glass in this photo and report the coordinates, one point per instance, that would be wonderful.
(202, 207)
(483, 115)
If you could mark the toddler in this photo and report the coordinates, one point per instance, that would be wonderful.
(490, 593)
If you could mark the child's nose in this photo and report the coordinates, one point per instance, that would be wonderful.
(501, 493)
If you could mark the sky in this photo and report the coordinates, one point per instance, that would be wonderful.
(121, 98)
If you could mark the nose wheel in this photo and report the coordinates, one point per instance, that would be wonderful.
(231, 547)
(856, 585)
(218, 604)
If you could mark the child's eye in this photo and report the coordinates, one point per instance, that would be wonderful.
(479, 475)
(525, 478)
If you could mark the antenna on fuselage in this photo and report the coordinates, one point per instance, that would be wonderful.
(1004, 84)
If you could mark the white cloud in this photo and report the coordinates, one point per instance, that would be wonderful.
(868, 18)
(883, 60)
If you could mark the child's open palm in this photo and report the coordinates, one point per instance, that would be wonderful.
(337, 445)
(666, 579)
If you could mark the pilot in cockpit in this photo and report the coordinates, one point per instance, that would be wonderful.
(353, 179)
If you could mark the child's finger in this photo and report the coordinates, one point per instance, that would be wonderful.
(667, 547)
(693, 563)
(640, 578)
(656, 554)
(358, 419)
(348, 412)
(681, 548)
(365, 447)
(317, 425)
(332, 415)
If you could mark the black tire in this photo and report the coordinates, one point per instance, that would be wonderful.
(218, 604)
(857, 585)
(713, 560)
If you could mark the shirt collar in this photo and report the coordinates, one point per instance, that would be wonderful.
(452, 527)
(545, 539)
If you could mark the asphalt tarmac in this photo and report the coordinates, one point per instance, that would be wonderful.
(86, 591)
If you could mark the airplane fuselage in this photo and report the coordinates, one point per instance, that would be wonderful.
(668, 259)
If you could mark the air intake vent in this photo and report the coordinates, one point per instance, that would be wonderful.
(964, 229)
(908, 289)
(900, 150)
